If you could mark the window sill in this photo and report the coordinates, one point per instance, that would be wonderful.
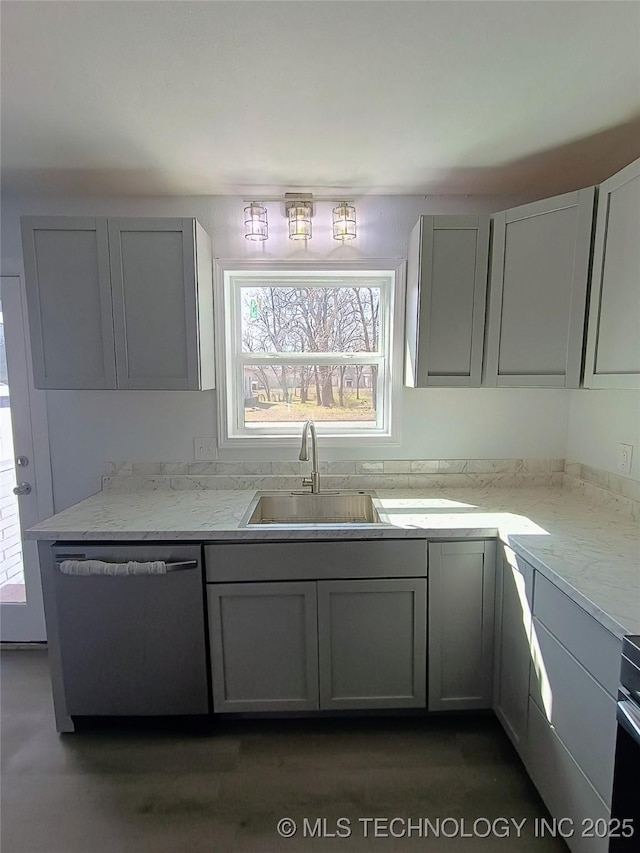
(362, 440)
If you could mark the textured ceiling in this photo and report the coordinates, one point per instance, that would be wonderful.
(259, 97)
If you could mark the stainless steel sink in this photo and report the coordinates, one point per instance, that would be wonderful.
(307, 508)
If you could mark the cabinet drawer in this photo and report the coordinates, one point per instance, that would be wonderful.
(595, 647)
(562, 785)
(320, 560)
(581, 712)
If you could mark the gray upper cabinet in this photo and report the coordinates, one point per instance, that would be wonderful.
(613, 342)
(539, 276)
(446, 295)
(159, 282)
(372, 643)
(66, 263)
(119, 303)
(461, 625)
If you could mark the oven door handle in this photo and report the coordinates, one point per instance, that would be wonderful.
(629, 718)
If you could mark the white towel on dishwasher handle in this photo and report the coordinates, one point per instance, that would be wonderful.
(100, 567)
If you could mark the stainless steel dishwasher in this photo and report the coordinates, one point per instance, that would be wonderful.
(133, 645)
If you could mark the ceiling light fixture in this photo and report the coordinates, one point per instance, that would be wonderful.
(256, 226)
(344, 222)
(299, 211)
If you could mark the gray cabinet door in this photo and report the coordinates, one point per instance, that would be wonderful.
(153, 275)
(613, 342)
(514, 599)
(66, 264)
(372, 637)
(537, 300)
(461, 625)
(446, 296)
(264, 646)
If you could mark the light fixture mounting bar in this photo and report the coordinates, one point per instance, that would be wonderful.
(304, 197)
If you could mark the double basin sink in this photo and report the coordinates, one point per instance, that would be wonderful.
(320, 508)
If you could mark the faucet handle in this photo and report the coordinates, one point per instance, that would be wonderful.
(307, 481)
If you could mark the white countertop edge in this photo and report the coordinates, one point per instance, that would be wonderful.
(506, 527)
(585, 603)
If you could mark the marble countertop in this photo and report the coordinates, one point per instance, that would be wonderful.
(592, 553)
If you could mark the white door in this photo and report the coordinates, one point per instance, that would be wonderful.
(24, 466)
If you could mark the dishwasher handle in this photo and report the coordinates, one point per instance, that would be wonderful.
(175, 566)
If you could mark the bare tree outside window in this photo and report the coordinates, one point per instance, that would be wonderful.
(314, 320)
(309, 345)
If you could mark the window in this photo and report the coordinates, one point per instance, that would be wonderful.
(312, 344)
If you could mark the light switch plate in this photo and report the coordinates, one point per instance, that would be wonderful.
(624, 458)
(205, 448)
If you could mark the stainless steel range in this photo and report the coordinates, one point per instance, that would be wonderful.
(625, 805)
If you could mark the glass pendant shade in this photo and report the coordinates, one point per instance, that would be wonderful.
(344, 222)
(299, 222)
(256, 226)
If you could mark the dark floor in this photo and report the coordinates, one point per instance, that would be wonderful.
(169, 790)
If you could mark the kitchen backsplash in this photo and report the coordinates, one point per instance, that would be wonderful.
(601, 488)
(401, 474)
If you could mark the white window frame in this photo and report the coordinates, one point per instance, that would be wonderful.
(229, 369)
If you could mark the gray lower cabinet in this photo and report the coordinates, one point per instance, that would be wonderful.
(304, 645)
(461, 625)
(372, 643)
(264, 646)
(613, 341)
(581, 712)
(571, 732)
(445, 303)
(563, 786)
(537, 298)
(513, 608)
(119, 303)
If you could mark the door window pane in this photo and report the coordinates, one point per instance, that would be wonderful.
(12, 588)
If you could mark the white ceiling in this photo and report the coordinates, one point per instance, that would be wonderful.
(260, 97)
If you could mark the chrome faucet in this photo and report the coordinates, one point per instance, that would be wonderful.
(314, 479)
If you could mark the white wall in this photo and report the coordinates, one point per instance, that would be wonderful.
(598, 422)
(88, 428)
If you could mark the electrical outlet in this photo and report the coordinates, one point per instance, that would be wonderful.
(624, 458)
(205, 448)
